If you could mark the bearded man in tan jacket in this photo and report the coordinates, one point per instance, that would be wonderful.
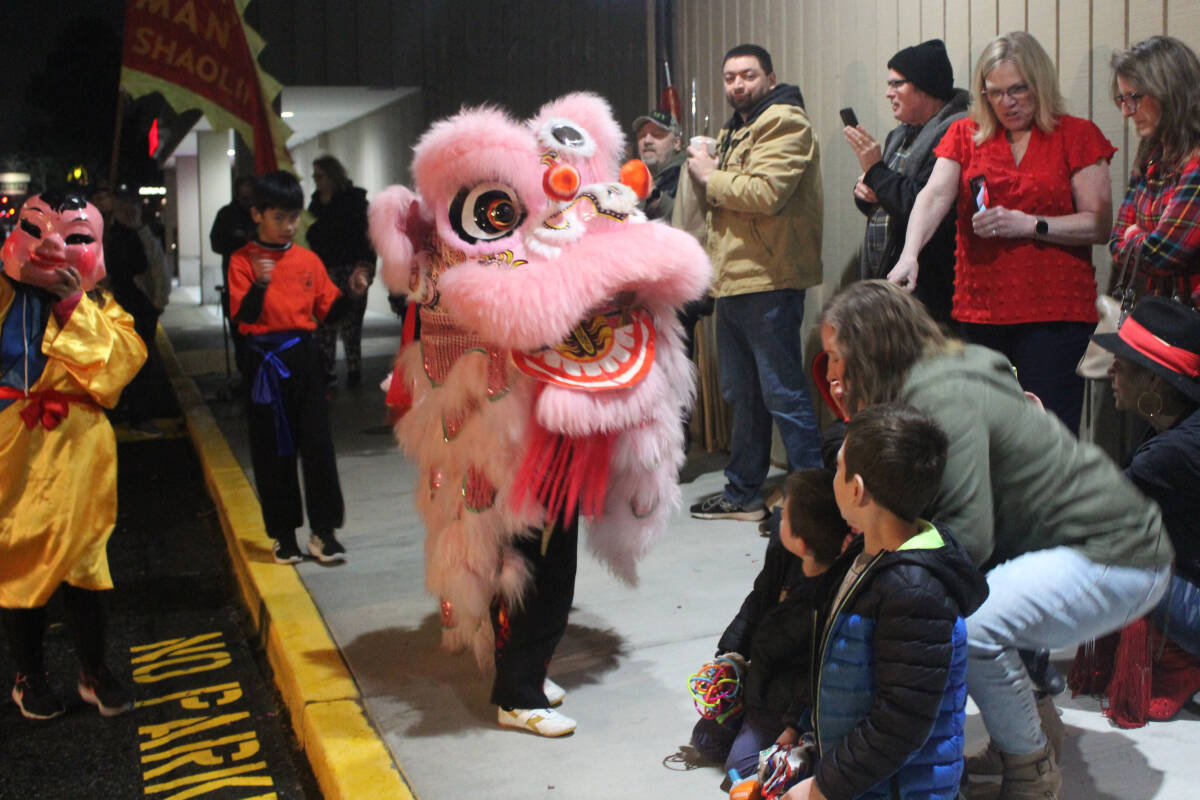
(763, 201)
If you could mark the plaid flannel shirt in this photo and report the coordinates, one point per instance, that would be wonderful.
(875, 239)
(1165, 208)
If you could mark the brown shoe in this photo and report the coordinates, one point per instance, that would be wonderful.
(1052, 725)
(981, 774)
(987, 761)
(1034, 776)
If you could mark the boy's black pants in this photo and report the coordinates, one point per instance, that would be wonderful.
(526, 637)
(306, 408)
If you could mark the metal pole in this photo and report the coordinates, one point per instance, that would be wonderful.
(116, 145)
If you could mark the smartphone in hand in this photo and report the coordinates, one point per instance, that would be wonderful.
(979, 192)
(849, 117)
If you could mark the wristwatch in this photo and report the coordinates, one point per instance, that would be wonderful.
(1041, 228)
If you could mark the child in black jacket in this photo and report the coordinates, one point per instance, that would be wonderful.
(774, 627)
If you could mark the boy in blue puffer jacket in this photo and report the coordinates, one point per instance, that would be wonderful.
(890, 686)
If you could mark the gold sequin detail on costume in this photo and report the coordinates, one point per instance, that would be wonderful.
(507, 258)
(443, 343)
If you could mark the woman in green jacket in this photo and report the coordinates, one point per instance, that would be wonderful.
(1071, 549)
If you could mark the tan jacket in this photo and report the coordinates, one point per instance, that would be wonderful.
(765, 205)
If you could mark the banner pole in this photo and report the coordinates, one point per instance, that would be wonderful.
(116, 145)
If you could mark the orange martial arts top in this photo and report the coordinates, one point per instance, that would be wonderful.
(299, 294)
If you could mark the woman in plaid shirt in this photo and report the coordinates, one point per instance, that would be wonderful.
(1156, 84)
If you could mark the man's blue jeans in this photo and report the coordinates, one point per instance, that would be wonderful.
(1049, 598)
(763, 379)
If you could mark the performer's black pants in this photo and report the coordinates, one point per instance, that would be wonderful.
(25, 629)
(307, 409)
(526, 637)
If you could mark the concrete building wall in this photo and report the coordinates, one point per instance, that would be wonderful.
(375, 149)
(215, 191)
(187, 210)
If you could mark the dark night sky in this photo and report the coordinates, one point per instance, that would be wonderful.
(30, 29)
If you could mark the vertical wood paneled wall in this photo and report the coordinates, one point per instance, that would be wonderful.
(837, 52)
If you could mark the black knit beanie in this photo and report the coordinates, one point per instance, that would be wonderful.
(928, 67)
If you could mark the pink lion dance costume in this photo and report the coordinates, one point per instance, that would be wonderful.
(549, 381)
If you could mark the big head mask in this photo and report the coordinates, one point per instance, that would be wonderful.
(55, 231)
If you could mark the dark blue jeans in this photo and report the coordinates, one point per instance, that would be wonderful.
(763, 377)
(1045, 355)
(750, 740)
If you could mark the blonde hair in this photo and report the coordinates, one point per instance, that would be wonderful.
(1167, 70)
(1037, 71)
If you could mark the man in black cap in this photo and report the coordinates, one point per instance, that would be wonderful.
(660, 147)
(924, 101)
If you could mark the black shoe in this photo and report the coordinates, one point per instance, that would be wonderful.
(325, 547)
(717, 506)
(105, 692)
(145, 430)
(1045, 676)
(286, 551)
(770, 526)
(353, 379)
(35, 697)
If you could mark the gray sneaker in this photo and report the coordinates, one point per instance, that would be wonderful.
(717, 506)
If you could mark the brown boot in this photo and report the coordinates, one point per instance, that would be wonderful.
(987, 761)
(1052, 724)
(1034, 776)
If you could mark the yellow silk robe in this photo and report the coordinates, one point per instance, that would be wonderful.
(58, 487)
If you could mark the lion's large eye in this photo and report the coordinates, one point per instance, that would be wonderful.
(562, 136)
(487, 211)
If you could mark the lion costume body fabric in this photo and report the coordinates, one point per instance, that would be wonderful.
(549, 378)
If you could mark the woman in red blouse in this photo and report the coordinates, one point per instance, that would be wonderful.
(1156, 84)
(1033, 194)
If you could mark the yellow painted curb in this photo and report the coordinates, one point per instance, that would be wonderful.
(347, 755)
(343, 750)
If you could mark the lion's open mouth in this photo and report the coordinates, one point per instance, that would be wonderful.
(609, 350)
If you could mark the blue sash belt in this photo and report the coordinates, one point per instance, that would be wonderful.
(266, 390)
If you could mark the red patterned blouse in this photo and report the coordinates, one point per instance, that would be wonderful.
(1009, 281)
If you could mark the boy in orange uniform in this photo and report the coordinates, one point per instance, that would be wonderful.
(277, 293)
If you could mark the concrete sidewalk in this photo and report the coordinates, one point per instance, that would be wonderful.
(624, 661)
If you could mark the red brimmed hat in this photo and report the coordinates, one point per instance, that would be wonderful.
(1164, 337)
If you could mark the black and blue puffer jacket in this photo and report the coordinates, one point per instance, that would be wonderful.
(890, 692)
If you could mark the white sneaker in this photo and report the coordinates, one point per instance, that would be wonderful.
(542, 721)
(554, 692)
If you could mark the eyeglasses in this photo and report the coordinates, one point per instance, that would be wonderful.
(896, 83)
(1129, 101)
(1017, 91)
